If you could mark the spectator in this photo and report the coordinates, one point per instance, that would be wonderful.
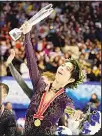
(7, 120)
(72, 30)
(8, 106)
(24, 70)
(3, 69)
(93, 103)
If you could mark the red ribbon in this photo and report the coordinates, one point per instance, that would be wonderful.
(42, 108)
(36, 116)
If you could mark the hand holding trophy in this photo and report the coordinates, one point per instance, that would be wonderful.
(27, 26)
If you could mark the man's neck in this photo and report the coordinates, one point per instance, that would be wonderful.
(56, 86)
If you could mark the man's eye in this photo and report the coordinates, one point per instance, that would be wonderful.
(68, 69)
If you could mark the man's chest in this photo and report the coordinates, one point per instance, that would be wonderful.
(56, 106)
(49, 97)
(3, 123)
(3, 118)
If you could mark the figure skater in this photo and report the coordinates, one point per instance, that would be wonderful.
(7, 119)
(47, 103)
(48, 77)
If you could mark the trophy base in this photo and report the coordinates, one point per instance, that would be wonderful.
(15, 34)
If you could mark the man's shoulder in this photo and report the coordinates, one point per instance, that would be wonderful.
(7, 117)
(8, 113)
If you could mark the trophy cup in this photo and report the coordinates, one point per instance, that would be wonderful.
(43, 13)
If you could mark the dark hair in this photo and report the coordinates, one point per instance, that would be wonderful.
(95, 95)
(6, 87)
(7, 103)
(96, 100)
(62, 120)
(76, 74)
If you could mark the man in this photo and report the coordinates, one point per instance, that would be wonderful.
(7, 120)
(93, 103)
(48, 77)
(47, 104)
(8, 106)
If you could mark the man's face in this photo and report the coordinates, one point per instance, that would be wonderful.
(64, 73)
(2, 93)
(94, 96)
(9, 106)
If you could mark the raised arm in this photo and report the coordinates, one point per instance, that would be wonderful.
(20, 81)
(17, 76)
(31, 59)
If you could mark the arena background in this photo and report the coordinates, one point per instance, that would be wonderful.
(74, 29)
(20, 101)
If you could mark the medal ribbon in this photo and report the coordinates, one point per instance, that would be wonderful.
(42, 108)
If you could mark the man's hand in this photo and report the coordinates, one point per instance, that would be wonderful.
(11, 57)
(77, 115)
(26, 28)
(74, 122)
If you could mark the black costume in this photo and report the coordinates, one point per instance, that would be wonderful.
(7, 124)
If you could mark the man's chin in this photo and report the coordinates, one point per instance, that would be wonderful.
(57, 77)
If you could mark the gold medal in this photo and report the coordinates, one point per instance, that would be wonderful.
(42, 108)
(37, 122)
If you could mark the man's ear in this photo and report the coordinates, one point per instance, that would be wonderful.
(71, 80)
(5, 95)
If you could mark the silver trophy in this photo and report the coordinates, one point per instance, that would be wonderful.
(43, 13)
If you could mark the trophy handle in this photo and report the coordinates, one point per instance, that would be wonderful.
(43, 13)
(41, 17)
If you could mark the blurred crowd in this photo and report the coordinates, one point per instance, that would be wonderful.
(73, 30)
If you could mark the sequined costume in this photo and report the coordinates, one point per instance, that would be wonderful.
(56, 108)
(7, 124)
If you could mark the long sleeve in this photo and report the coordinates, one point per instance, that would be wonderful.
(20, 81)
(11, 126)
(11, 131)
(31, 62)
